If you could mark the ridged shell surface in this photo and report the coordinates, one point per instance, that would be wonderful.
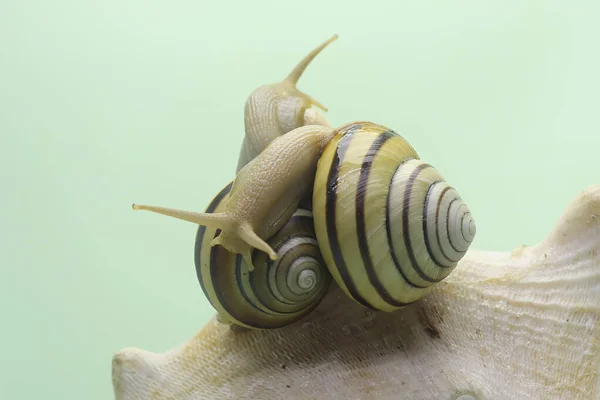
(388, 224)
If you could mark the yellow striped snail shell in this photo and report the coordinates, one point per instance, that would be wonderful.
(277, 292)
(388, 225)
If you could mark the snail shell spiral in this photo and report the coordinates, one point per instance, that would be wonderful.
(388, 225)
(276, 293)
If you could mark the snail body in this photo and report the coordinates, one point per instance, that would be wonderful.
(275, 109)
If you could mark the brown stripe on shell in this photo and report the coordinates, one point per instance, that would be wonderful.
(361, 220)
(222, 289)
(448, 227)
(200, 237)
(330, 206)
(388, 229)
(462, 221)
(437, 231)
(425, 231)
(406, 211)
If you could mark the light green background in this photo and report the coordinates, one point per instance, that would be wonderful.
(107, 103)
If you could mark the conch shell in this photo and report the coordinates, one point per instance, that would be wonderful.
(504, 325)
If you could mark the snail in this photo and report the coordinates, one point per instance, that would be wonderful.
(274, 109)
(385, 227)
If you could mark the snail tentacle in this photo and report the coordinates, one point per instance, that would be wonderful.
(298, 70)
(213, 220)
(236, 237)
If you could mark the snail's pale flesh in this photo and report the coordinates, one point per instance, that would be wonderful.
(504, 325)
(265, 193)
(275, 109)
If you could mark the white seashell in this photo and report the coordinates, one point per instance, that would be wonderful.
(504, 325)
